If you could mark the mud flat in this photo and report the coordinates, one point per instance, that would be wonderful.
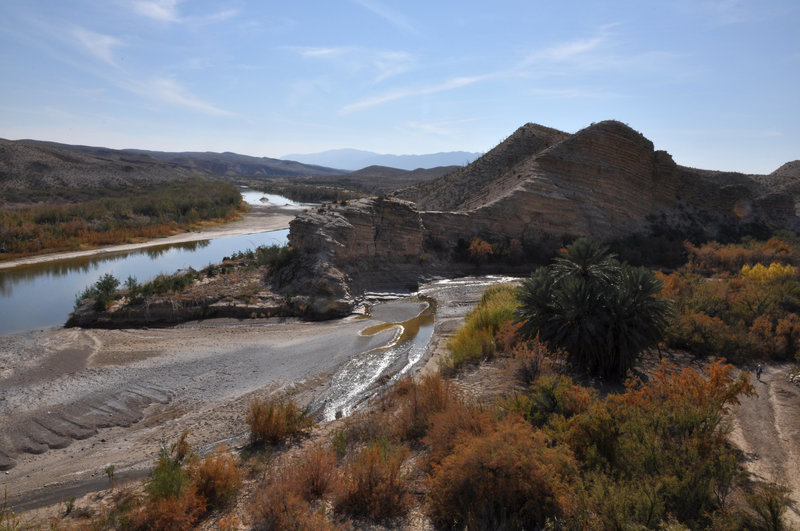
(75, 401)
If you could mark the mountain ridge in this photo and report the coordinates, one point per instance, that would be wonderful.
(535, 190)
(356, 159)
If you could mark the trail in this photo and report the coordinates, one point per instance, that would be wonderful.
(767, 430)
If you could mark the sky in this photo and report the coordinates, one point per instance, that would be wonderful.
(716, 83)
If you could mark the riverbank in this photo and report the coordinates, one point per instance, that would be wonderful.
(259, 219)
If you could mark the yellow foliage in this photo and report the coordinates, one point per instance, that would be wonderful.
(762, 274)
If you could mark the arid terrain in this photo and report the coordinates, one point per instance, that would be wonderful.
(74, 402)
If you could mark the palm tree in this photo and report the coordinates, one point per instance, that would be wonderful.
(601, 312)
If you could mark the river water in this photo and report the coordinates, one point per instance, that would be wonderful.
(42, 295)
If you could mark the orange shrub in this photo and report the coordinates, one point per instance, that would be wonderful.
(529, 357)
(713, 257)
(216, 477)
(447, 428)
(272, 420)
(169, 514)
(507, 478)
(276, 507)
(374, 484)
(422, 398)
(788, 336)
(315, 473)
(507, 337)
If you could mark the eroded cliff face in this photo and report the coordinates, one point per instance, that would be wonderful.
(606, 181)
(343, 249)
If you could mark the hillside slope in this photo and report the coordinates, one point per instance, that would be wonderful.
(31, 164)
(525, 196)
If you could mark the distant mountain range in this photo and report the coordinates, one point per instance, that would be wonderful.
(32, 164)
(355, 159)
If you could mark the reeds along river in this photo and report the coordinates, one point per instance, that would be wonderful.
(42, 295)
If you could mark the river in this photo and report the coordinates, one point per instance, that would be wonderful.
(42, 295)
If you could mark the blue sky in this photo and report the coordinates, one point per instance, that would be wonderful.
(714, 82)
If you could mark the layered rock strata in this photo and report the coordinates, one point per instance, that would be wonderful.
(606, 181)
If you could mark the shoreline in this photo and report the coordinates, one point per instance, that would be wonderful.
(211, 402)
(259, 219)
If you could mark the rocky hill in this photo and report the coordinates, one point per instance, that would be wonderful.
(534, 189)
(30, 164)
(790, 169)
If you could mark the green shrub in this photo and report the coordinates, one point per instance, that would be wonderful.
(476, 339)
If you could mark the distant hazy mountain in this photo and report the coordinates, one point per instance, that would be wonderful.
(355, 159)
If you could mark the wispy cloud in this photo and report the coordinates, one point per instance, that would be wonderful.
(395, 18)
(390, 64)
(441, 127)
(570, 50)
(167, 11)
(97, 44)
(568, 93)
(161, 10)
(168, 90)
(321, 52)
(385, 64)
(450, 84)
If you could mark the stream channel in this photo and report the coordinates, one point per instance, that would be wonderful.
(36, 299)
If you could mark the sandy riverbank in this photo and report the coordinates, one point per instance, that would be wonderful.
(259, 219)
(110, 397)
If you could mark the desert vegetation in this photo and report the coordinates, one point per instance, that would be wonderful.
(742, 300)
(239, 277)
(647, 448)
(119, 216)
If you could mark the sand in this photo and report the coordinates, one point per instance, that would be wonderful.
(88, 399)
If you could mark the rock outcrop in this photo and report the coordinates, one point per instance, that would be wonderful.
(606, 181)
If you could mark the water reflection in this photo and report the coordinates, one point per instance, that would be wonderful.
(42, 295)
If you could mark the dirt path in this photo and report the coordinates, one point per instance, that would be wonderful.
(259, 219)
(767, 430)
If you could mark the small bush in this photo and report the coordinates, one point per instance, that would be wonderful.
(277, 507)
(769, 502)
(169, 514)
(272, 420)
(448, 426)
(172, 500)
(216, 477)
(422, 399)
(508, 478)
(374, 484)
(528, 357)
(315, 473)
(273, 256)
(169, 479)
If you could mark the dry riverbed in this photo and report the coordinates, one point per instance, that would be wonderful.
(73, 402)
